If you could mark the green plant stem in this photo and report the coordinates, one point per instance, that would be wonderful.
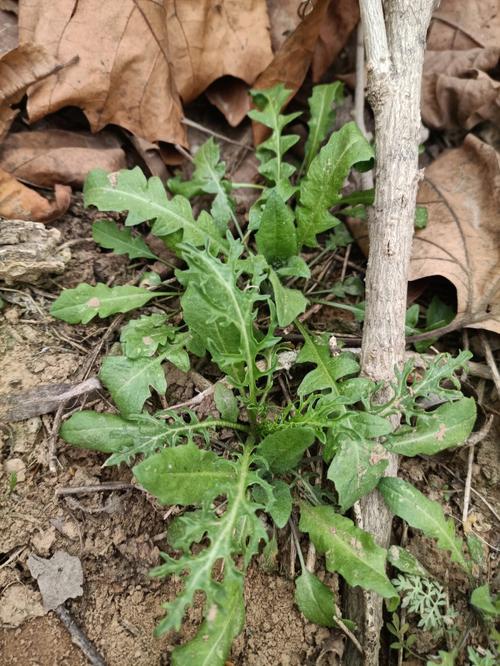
(238, 228)
(203, 425)
(307, 487)
(253, 186)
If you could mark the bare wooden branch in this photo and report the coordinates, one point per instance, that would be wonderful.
(394, 33)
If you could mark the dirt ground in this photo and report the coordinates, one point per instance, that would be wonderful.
(118, 535)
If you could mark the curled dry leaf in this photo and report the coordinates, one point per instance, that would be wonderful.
(19, 69)
(20, 202)
(459, 89)
(8, 32)
(461, 242)
(47, 157)
(231, 97)
(138, 58)
(340, 20)
(150, 155)
(458, 25)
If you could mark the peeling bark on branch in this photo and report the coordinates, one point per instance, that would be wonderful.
(395, 33)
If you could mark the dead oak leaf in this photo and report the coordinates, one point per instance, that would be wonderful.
(458, 25)
(123, 75)
(341, 18)
(138, 58)
(19, 69)
(20, 202)
(461, 242)
(209, 39)
(47, 157)
(457, 91)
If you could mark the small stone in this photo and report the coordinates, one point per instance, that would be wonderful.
(15, 466)
(43, 541)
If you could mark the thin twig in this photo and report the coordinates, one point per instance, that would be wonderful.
(184, 152)
(106, 486)
(474, 439)
(490, 360)
(468, 483)
(473, 490)
(52, 442)
(217, 135)
(195, 400)
(359, 99)
(13, 557)
(344, 263)
(79, 638)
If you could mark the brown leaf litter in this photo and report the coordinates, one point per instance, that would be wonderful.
(461, 191)
(48, 157)
(459, 86)
(138, 59)
(461, 242)
(20, 202)
(19, 69)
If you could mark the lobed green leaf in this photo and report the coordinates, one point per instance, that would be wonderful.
(322, 116)
(321, 188)
(348, 550)
(109, 235)
(129, 381)
(449, 425)
(185, 475)
(423, 514)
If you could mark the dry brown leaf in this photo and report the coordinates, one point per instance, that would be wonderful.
(47, 157)
(457, 91)
(20, 202)
(209, 39)
(59, 577)
(150, 154)
(20, 68)
(8, 30)
(458, 25)
(340, 20)
(461, 242)
(231, 97)
(458, 88)
(123, 74)
(139, 58)
(284, 17)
